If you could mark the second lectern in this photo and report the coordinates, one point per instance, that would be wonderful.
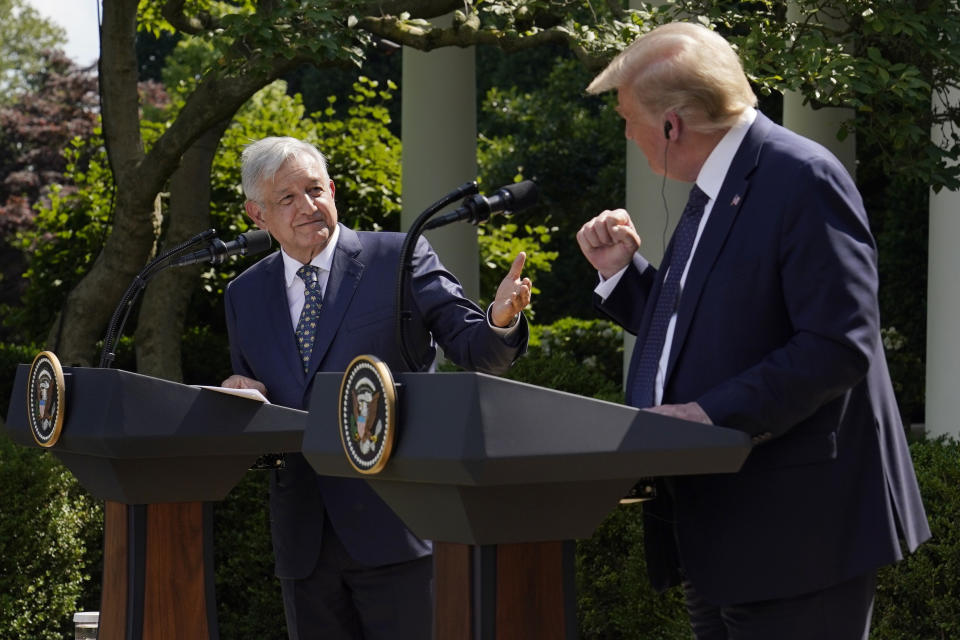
(511, 474)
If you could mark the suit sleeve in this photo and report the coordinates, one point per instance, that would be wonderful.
(457, 324)
(828, 279)
(237, 361)
(626, 302)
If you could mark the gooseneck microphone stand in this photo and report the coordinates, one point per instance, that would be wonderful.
(406, 269)
(120, 314)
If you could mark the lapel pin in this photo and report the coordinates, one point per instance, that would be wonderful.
(735, 201)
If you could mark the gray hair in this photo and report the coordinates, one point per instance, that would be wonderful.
(685, 68)
(262, 159)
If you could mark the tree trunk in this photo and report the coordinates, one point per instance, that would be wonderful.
(160, 323)
(139, 177)
(89, 305)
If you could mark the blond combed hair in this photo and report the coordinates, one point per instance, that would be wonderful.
(685, 68)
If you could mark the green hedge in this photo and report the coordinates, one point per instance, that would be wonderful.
(50, 539)
(249, 604)
(919, 598)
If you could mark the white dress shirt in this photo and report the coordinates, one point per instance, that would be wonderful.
(296, 289)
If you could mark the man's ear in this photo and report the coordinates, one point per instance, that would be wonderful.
(255, 213)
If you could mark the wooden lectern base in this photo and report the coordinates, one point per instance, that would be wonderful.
(505, 592)
(158, 581)
(158, 572)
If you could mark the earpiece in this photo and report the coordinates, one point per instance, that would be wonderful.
(667, 128)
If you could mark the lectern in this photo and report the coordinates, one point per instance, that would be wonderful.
(504, 475)
(513, 473)
(159, 453)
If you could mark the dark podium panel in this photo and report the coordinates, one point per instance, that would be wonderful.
(485, 460)
(158, 452)
(503, 476)
(135, 439)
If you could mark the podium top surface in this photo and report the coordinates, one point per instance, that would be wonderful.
(476, 429)
(113, 413)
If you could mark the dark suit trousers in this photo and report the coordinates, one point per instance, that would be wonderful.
(839, 612)
(343, 600)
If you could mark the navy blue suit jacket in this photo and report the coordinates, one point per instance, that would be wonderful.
(778, 334)
(357, 317)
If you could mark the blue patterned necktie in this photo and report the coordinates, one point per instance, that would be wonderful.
(682, 242)
(307, 324)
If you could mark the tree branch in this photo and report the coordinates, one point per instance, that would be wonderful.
(425, 9)
(196, 25)
(467, 33)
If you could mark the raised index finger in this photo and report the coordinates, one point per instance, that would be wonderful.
(517, 267)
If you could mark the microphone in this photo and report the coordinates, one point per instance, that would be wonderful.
(250, 243)
(477, 208)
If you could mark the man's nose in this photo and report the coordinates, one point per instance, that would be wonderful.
(305, 204)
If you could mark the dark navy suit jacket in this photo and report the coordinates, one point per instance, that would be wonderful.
(778, 334)
(357, 317)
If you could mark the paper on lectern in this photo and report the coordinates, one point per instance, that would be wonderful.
(251, 394)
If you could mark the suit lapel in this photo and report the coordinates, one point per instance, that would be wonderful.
(277, 309)
(342, 283)
(733, 193)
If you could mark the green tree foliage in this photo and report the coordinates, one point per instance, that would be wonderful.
(67, 235)
(24, 36)
(882, 59)
(544, 128)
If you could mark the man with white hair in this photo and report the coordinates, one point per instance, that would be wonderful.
(348, 567)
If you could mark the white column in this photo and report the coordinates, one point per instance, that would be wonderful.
(439, 134)
(943, 307)
(821, 125)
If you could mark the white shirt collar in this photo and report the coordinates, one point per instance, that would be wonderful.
(714, 170)
(324, 259)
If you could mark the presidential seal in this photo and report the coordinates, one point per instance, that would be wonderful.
(367, 414)
(45, 390)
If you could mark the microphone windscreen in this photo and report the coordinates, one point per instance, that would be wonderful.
(522, 194)
(257, 241)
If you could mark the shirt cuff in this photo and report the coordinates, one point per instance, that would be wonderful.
(502, 331)
(607, 285)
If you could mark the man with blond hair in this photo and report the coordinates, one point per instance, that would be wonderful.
(762, 317)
